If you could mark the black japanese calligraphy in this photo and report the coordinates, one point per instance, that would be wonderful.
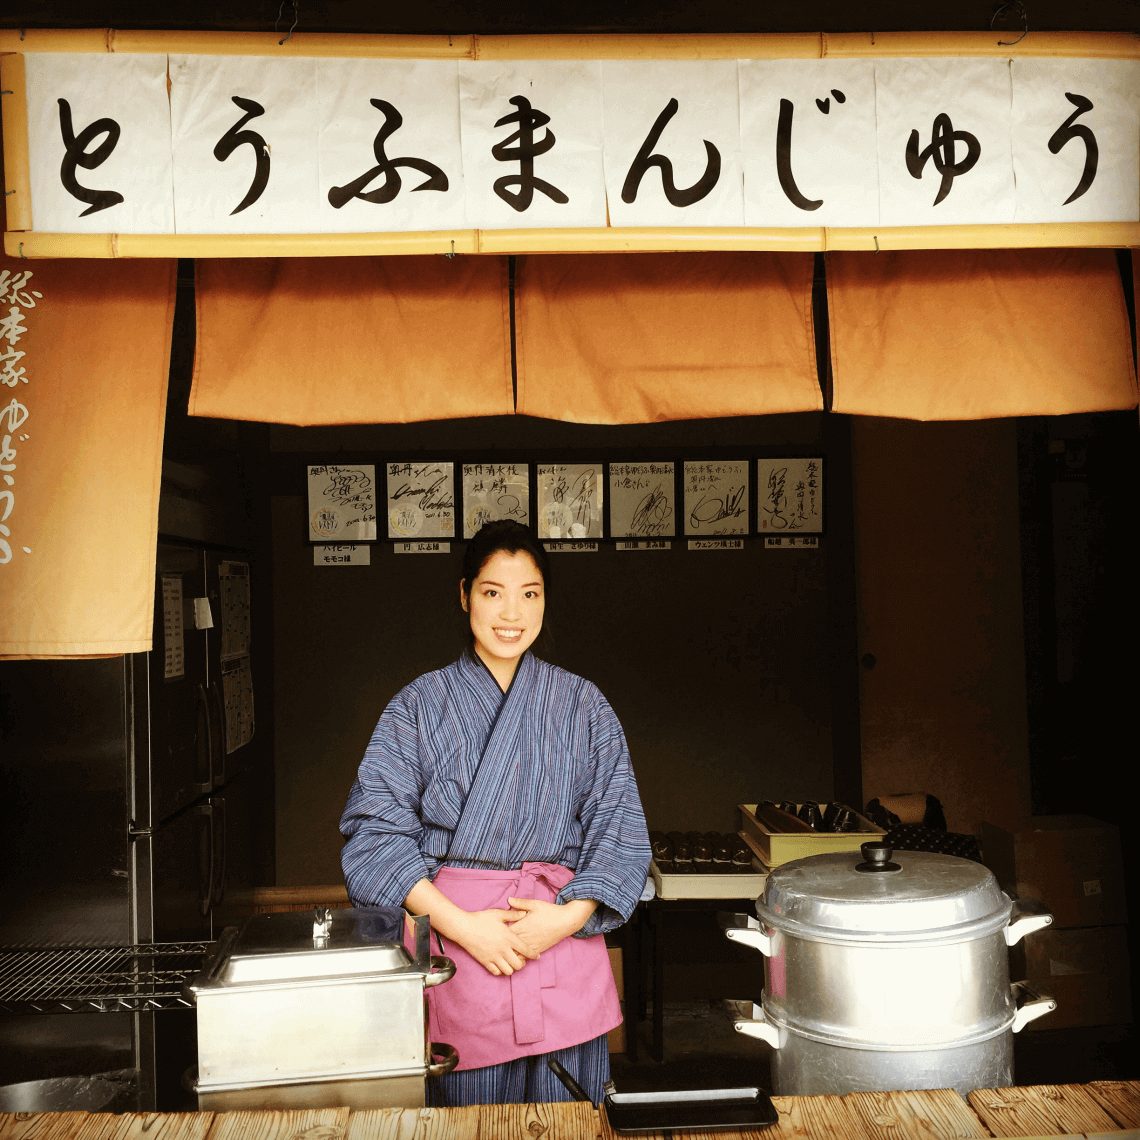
(1066, 132)
(388, 167)
(235, 137)
(76, 154)
(784, 158)
(942, 150)
(646, 158)
(528, 149)
(825, 104)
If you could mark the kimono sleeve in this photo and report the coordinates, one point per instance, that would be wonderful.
(382, 861)
(614, 859)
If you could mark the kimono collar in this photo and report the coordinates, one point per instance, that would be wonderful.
(482, 680)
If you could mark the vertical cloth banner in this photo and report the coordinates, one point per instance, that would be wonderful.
(352, 340)
(85, 353)
(978, 334)
(642, 337)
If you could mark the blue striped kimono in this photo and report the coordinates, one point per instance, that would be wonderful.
(458, 773)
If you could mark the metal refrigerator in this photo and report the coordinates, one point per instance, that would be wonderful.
(133, 788)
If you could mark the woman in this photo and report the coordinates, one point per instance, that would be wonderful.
(496, 796)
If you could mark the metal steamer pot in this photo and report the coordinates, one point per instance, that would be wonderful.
(887, 972)
(304, 1010)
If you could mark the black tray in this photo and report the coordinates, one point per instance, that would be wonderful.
(701, 1109)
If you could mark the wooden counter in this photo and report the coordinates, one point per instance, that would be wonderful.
(1041, 1111)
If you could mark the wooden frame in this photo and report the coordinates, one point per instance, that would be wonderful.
(21, 241)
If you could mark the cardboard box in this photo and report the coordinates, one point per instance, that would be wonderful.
(1086, 969)
(1071, 863)
(616, 1037)
(776, 847)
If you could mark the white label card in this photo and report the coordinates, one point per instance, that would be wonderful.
(421, 500)
(945, 156)
(494, 491)
(716, 496)
(350, 555)
(672, 149)
(532, 143)
(422, 547)
(808, 132)
(789, 495)
(1076, 123)
(244, 129)
(99, 144)
(389, 149)
(342, 503)
(569, 500)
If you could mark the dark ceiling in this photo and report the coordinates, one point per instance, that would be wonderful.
(487, 16)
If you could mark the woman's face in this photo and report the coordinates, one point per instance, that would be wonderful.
(506, 605)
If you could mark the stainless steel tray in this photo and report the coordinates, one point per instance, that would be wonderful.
(702, 1109)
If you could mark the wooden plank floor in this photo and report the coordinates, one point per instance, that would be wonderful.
(939, 1114)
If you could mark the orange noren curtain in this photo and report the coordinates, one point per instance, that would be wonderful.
(82, 413)
(351, 340)
(978, 334)
(641, 337)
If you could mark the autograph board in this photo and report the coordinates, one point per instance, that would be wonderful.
(789, 495)
(569, 501)
(716, 496)
(342, 503)
(642, 500)
(495, 491)
(421, 500)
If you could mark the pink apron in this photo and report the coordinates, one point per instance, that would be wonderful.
(563, 998)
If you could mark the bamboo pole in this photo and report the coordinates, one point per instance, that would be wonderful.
(795, 45)
(14, 109)
(893, 45)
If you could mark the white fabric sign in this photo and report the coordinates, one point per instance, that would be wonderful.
(943, 140)
(261, 144)
(99, 144)
(1076, 124)
(245, 159)
(672, 148)
(807, 129)
(532, 143)
(389, 150)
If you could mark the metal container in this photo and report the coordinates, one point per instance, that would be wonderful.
(887, 971)
(314, 1010)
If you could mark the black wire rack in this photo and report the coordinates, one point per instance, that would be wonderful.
(98, 979)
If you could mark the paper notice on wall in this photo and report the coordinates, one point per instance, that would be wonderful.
(532, 143)
(808, 133)
(1076, 123)
(342, 503)
(569, 500)
(234, 585)
(237, 694)
(99, 143)
(789, 496)
(390, 155)
(716, 496)
(173, 632)
(943, 139)
(243, 130)
(642, 500)
(494, 491)
(421, 500)
(672, 148)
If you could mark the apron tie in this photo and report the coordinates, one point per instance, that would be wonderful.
(527, 983)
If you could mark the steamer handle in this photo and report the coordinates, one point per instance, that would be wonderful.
(746, 930)
(749, 1019)
(442, 970)
(1031, 1003)
(449, 1061)
(1025, 916)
